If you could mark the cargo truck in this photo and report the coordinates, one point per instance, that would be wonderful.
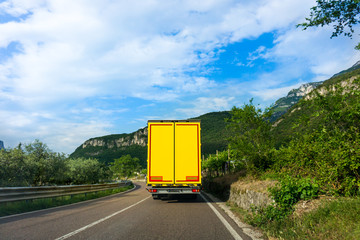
(174, 162)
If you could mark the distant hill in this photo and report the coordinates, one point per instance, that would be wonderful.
(214, 134)
(107, 148)
(283, 104)
(354, 67)
(286, 128)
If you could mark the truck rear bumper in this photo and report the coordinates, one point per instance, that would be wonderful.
(174, 190)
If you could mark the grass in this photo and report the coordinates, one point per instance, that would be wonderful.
(335, 219)
(17, 207)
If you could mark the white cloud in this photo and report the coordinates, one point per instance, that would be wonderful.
(273, 93)
(69, 54)
(60, 134)
(77, 49)
(204, 105)
(316, 50)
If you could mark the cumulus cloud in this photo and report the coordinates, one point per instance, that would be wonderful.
(204, 105)
(77, 49)
(60, 57)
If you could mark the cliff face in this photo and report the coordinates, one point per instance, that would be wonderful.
(139, 138)
(283, 104)
(108, 148)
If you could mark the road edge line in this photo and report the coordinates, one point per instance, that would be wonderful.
(223, 220)
(246, 228)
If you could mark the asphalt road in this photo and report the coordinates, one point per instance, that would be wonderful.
(130, 215)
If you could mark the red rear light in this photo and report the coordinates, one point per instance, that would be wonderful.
(152, 190)
(195, 190)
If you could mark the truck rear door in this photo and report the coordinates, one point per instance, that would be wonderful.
(161, 153)
(187, 153)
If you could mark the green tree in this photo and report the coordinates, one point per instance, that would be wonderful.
(125, 166)
(343, 14)
(44, 165)
(13, 170)
(251, 139)
(329, 150)
(82, 170)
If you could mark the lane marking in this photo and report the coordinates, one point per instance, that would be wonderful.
(99, 221)
(223, 220)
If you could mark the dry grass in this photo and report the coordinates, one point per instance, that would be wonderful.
(253, 185)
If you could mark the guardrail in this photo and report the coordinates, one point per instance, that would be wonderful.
(12, 194)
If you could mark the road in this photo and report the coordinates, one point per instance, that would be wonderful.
(130, 215)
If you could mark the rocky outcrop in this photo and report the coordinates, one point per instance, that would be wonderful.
(346, 85)
(283, 104)
(251, 194)
(124, 140)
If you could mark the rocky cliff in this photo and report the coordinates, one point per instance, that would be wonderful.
(108, 148)
(119, 140)
(283, 104)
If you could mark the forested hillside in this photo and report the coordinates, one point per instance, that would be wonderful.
(318, 138)
(107, 148)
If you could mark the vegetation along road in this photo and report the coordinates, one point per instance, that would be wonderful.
(130, 215)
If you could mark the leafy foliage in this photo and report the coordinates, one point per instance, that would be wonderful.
(213, 132)
(251, 139)
(37, 165)
(343, 13)
(328, 150)
(125, 166)
(219, 163)
(286, 194)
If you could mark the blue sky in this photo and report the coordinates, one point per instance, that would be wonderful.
(75, 69)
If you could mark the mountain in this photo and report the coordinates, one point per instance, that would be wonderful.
(213, 127)
(107, 148)
(292, 123)
(2, 145)
(354, 67)
(283, 104)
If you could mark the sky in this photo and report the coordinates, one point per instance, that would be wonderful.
(71, 70)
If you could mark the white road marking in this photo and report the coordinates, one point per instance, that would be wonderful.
(223, 220)
(99, 221)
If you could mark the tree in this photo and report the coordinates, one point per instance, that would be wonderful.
(344, 14)
(13, 170)
(215, 163)
(125, 166)
(251, 139)
(82, 170)
(44, 165)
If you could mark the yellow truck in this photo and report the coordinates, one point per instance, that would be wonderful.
(174, 158)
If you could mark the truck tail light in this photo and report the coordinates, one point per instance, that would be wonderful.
(152, 190)
(195, 190)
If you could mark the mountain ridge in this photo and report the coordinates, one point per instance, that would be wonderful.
(214, 132)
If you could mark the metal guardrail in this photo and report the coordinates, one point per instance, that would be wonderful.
(12, 194)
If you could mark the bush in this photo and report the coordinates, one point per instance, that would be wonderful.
(286, 194)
